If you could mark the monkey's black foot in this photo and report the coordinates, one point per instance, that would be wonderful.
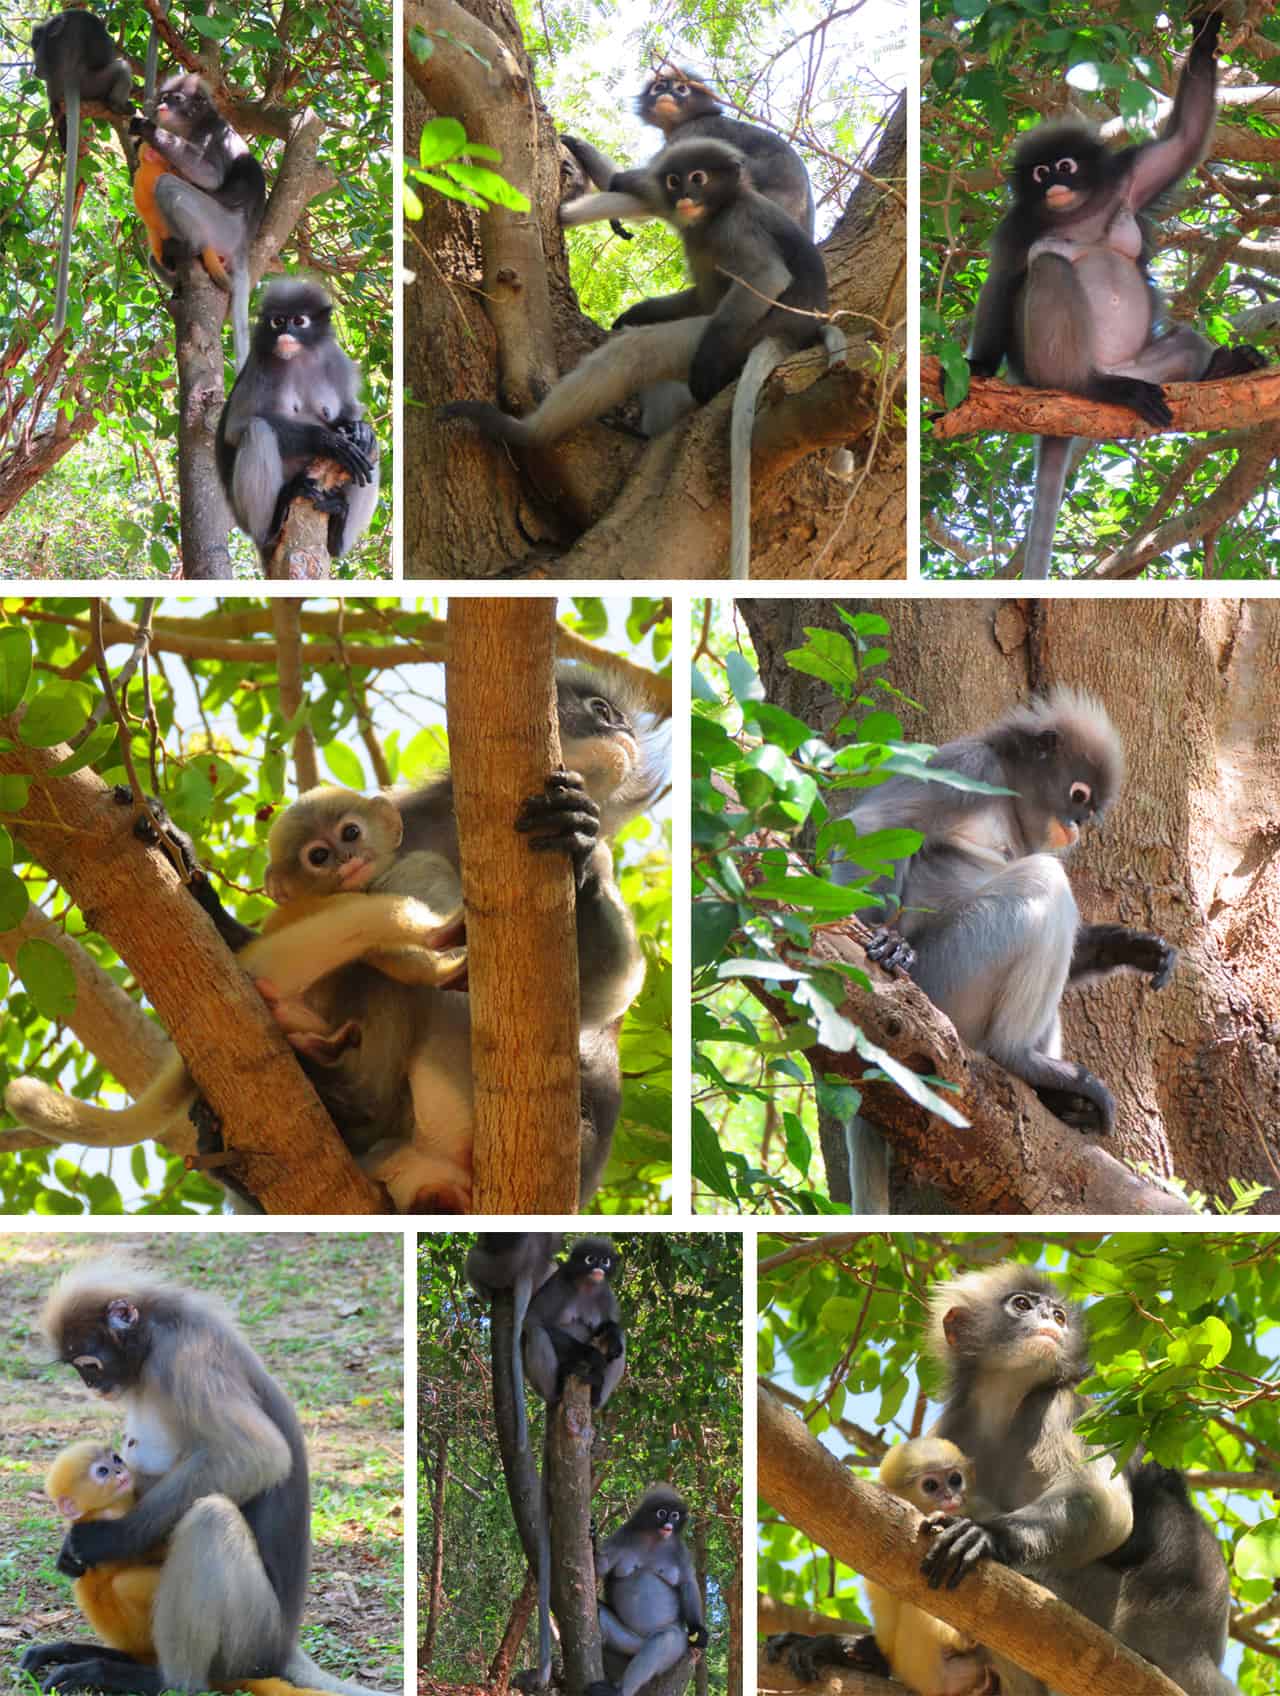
(565, 818)
(1078, 1111)
(150, 833)
(1146, 399)
(806, 1656)
(888, 949)
(1234, 362)
(982, 367)
(620, 230)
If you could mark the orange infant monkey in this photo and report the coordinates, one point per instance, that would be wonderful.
(926, 1654)
(90, 1481)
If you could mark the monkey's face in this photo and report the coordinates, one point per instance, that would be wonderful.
(672, 99)
(293, 321)
(1056, 171)
(106, 1479)
(330, 842)
(107, 1348)
(941, 1491)
(662, 1517)
(694, 194)
(183, 106)
(593, 1260)
(1034, 1331)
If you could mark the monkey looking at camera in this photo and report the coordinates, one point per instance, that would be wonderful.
(982, 916)
(651, 1615)
(519, 1261)
(221, 1471)
(759, 291)
(572, 1330)
(295, 401)
(685, 109)
(200, 192)
(1069, 300)
(77, 60)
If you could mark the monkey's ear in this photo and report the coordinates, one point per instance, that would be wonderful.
(384, 809)
(955, 1322)
(68, 1507)
(276, 885)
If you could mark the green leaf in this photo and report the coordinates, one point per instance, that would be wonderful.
(489, 184)
(55, 714)
(14, 900)
(48, 979)
(15, 665)
(441, 139)
(344, 765)
(420, 44)
(90, 751)
(707, 1158)
(712, 923)
(1257, 1554)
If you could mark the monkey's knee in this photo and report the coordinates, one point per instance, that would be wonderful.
(659, 1655)
(257, 479)
(215, 1615)
(617, 1636)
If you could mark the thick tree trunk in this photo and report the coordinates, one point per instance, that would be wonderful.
(522, 955)
(435, 1591)
(601, 503)
(573, 1569)
(1191, 686)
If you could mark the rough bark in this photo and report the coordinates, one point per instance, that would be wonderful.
(573, 1568)
(435, 1590)
(293, 1159)
(602, 504)
(500, 1666)
(1186, 851)
(878, 1536)
(522, 956)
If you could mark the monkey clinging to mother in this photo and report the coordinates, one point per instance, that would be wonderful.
(1120, 282)
(190, 167)
(669, 345)
(415, 983)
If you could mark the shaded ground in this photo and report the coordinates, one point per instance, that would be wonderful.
(326, 1314)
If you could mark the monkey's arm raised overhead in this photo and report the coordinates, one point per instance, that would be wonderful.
(1159, 164)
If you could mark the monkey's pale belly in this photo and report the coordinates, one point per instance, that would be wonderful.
(1119, 305)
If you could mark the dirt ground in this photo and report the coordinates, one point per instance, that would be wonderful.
(325, 1312)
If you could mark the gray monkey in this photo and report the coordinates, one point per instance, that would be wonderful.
(759, 291)
(1069, 299)
(295, 401)
(1125, 1548)
(210, 198)
(77, 60)
(519, 1261)
(651, 1614)
(222, 1472)
(572, 1330)
(985, 921)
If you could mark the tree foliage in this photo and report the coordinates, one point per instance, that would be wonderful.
(992, 70)
(675, 1418)
(210, 734)
(1184, 1363)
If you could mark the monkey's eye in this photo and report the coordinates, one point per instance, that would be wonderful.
(955, 1479)
(1021, 1304)
(929, 1486)
(673, 183)
(1060, 1317)
(99, 1472)
(1066, 167)
(350, 831)
(1040, 174)
(1081, 794)
(317, 855)
(697, 178)
(601, 708)
(680, 89)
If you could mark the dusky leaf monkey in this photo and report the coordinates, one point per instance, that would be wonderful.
(519, 1261)
(1069, 299)
(982, 916)
(221, 1470)
(651, 1614)
(296, 961)
(759, 292)
(77, 60)
(296, 400)
(614, 775)
(1127, 1549)
(572, 1329)
(200, 192)
(926, 1654)
(88, 1481)
(685, 109)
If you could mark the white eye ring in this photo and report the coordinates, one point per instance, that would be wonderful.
(1067, 167)
(1081, 794)
(1040, 173)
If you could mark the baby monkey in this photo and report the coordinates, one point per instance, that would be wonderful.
(926, 1654)
(89, 1481)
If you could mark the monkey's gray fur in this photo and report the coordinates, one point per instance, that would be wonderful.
(985, 920)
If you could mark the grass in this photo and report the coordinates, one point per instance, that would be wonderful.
(325, 1312)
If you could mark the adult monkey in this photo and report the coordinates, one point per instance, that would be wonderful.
(222, 1469)
(200, 192)
(1069, 298)
(652, 1613)
(1127, 1549)
(519, 1261)
(759, 291)
(77, 60)
(982, 916)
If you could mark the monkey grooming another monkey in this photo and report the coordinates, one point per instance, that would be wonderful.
(77, 60)
(982, 916)
(221, 1469)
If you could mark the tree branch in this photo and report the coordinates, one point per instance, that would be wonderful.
(878, 1536)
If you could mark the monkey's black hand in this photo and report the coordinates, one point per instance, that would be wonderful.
(806, 1656)
(620, 230)
(566, 820)
(142, 129)
(888, 949)
(89, 1543)
(359, 431)
(698, 1638)
(609, 1337)
(571, 144)
(1204, 43)
(1088, 1106)
(1109, 948)
(355, 460)
(150, 833)
(955, 1550)
(68, 1562)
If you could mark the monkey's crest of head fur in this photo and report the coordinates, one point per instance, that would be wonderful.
(1082, 728)
(595, 1245)
(979, 1292)
(289, 296)
(1046, 143)
(80, 1298)
(919, 1454)
(703, 153)
(657, 1496)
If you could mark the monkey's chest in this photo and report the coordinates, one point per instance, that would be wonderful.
(1116, 297)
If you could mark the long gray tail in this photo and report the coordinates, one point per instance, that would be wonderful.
(762, 359)
(71, 101)
(240, 311)
(1053, 456)
(301, 1669)
(544, 1562)
(868, 1167)
(520, 1306)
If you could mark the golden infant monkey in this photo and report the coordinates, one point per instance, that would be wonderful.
(90, 1481)
(927, 1654)
(347, 895)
